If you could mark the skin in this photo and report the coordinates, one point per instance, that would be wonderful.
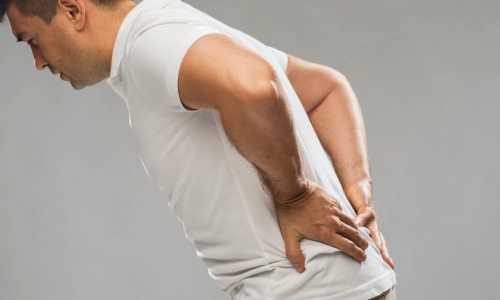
(335, 114)
(243, 88)
(257, 119)
(73, 44)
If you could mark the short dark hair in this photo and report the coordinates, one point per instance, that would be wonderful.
(44, 9)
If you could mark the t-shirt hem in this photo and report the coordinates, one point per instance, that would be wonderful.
(369, 290)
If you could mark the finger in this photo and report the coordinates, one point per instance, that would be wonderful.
(375, 235)
(293, 252)
(348, 247)
(385, 252)
(364, 218)
(348, 220)
(351, 233)
(338, 205)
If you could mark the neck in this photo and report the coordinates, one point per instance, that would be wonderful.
(104, 28)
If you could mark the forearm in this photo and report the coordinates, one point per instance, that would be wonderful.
(339, 124)
(262, 131)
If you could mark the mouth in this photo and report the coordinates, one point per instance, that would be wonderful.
(54, 71)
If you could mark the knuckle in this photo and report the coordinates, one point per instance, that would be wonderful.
(361, 240)
(325, 233)
(336, 210)
(351, 247)
(339, 225)
(335, 222)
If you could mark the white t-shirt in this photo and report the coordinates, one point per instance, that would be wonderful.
(214, 191)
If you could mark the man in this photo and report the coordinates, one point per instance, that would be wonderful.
(233, 132)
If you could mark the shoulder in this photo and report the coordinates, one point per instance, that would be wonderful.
(169, 30)
(218, 71)
(172, 19)
(155, 49)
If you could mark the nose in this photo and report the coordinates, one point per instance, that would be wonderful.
(40, 62)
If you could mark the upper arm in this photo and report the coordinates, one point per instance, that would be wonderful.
(217, 71)
(186, 63)
(312, 82)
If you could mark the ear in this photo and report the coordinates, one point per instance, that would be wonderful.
(74, 10)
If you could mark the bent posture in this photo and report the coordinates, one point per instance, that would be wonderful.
(234, 132)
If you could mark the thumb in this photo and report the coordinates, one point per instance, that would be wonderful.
(293, 252)
(364, 217)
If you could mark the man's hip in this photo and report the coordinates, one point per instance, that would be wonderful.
(390, 294)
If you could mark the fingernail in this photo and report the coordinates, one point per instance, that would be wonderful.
(297, 267)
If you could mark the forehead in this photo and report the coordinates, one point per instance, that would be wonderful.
(22, 24)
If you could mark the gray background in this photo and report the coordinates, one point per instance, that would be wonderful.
(80, 218)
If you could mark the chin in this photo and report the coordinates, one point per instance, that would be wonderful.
(77, 86)
(81, 85)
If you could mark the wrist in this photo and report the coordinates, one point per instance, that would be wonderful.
(360, 193)
(300, 190)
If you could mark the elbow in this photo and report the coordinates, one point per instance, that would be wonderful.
(338, 79)
(262, 92)
(332, 81)
(252, 90)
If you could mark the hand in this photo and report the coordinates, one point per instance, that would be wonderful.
(318, 216)
(367, 217)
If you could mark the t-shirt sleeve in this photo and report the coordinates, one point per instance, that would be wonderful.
(154, 59)
(281, 56)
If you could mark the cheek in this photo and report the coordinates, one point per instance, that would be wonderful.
(53, 51)
(47, 53)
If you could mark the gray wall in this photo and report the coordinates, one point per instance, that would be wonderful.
(80, 218)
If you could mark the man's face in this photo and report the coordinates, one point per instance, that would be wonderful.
(56, 46)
